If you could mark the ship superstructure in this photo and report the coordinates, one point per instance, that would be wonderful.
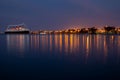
(21, 28)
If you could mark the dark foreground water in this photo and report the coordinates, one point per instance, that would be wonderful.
(63, 57)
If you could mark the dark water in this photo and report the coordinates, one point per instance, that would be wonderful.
(64, 57)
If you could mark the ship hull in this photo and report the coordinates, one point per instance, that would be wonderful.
(17, 32)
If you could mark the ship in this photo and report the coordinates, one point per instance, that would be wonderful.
(17, 29)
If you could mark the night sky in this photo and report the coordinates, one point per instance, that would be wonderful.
(59, 14)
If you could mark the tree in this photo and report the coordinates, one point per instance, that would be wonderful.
(92, 30)
(83, 30)
(109, 29)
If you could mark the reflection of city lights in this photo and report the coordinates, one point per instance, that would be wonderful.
(51, 44)
(35, 41)
(87, 44)
(76, 46)
(66, 43)
(71, 43)
(87, 48)
(17, 42)
(105, 49)
(56, 41)
(60, 42)
(112, 38)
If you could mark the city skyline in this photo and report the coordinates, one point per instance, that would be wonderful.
(59, 14)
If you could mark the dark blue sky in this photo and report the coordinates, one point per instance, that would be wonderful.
(59, 14)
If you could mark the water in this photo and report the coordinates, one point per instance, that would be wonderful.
(64, 57)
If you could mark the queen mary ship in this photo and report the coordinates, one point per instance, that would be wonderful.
(17, 29)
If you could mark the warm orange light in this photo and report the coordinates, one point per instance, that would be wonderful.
(71, 31)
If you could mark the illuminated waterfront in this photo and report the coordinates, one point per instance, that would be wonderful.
(60, 56)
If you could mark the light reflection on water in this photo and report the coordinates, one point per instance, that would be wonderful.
(101, 48)
(17, 42)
